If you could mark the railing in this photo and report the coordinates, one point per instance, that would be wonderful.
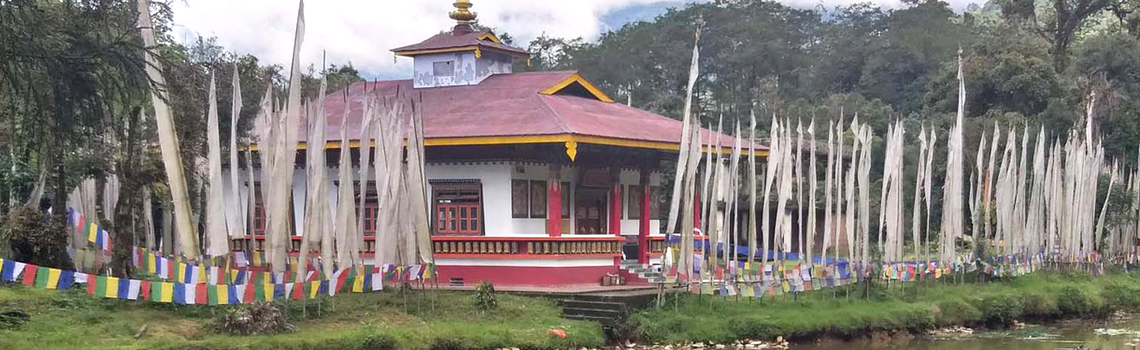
(657, 244)
(242, 244)
(526, 247)
(482, 246)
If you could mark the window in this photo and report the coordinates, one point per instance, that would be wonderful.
(371, 212)
(520, 198)
(634, 202)
(258, 222)
(457, 208)
(538, 203)
(444, 68)
(566, 200)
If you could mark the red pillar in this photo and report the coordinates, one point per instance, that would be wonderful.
(643, 222)
(615, 201)
(554, 202)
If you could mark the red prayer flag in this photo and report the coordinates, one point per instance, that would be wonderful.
(91, 284)
(298, 291)
(144, 290)
(30, 274)
(249, 292)
(201, 294)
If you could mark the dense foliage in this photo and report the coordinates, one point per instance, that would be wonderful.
(1028, 65)
(75, 104)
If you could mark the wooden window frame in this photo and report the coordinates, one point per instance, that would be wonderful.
(258, 219)
(540, 185)
(515, 199)
(453, 213)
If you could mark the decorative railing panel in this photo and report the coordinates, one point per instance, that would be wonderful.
(526, 247)
(484, 247)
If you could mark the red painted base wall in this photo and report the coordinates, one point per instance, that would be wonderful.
(512, 275)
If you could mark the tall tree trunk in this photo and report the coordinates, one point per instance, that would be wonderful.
(131, 183)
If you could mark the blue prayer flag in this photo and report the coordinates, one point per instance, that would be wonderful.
(7, 271)
(179, 294)
(66, 278)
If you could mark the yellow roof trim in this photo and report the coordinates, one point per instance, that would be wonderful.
(577, 78)
(490, 36)
(567, 139)
(450, 49)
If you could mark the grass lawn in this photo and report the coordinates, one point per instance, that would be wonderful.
(74, 320)
(911, 306)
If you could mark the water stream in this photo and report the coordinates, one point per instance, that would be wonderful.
(1115, 335)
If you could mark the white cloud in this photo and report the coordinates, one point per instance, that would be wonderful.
(363, 31)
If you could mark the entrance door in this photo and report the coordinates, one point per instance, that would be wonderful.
(590, 211)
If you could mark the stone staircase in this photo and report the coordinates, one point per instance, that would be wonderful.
(635, 272)
(610, 313)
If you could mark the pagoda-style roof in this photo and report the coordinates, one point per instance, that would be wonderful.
(519, 108)
(460, 40)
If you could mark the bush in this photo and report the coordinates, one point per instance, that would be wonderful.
(1122, 296)
(485, 299)
(35, 240)
(956, 311)
(1037, 305)
(1074, 302)
(251, 319)
(378, 342)
(1000, 310)
(448, 344)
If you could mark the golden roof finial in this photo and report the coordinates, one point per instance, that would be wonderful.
(461, 15)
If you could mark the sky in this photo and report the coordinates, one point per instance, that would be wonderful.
(363, 31)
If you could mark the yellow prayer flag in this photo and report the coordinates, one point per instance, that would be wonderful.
(112, 287)
(53, 278)
(180, 272)
(314, 286)
(167, 292)
(223, 294)
(203, 276)
(358, 284)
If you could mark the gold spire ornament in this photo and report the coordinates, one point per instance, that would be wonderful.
(461, 15)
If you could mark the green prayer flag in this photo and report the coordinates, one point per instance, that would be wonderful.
(42, 278)
(156, 292)
(101, 286)
(259, 291)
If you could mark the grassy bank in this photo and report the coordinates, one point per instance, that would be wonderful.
(913, 307)
(72, 320)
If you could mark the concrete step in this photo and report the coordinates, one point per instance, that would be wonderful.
(605, 321)
(593, 302)
(608, 313)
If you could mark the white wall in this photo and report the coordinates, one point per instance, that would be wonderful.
(495, 178)
(469, 70)
(576, 262)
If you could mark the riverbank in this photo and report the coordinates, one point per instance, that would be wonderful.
(854, 312)
(73, 320)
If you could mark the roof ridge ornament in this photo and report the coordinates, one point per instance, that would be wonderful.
(462, 16)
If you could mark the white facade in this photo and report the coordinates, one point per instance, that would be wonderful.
(495, 179)
(457, 68)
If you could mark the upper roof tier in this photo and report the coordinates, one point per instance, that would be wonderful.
(534, 107)
(461, 38)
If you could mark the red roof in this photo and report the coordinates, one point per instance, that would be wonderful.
(457, 39)
(510, 105)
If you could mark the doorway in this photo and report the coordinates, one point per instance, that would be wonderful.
(590, 211)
